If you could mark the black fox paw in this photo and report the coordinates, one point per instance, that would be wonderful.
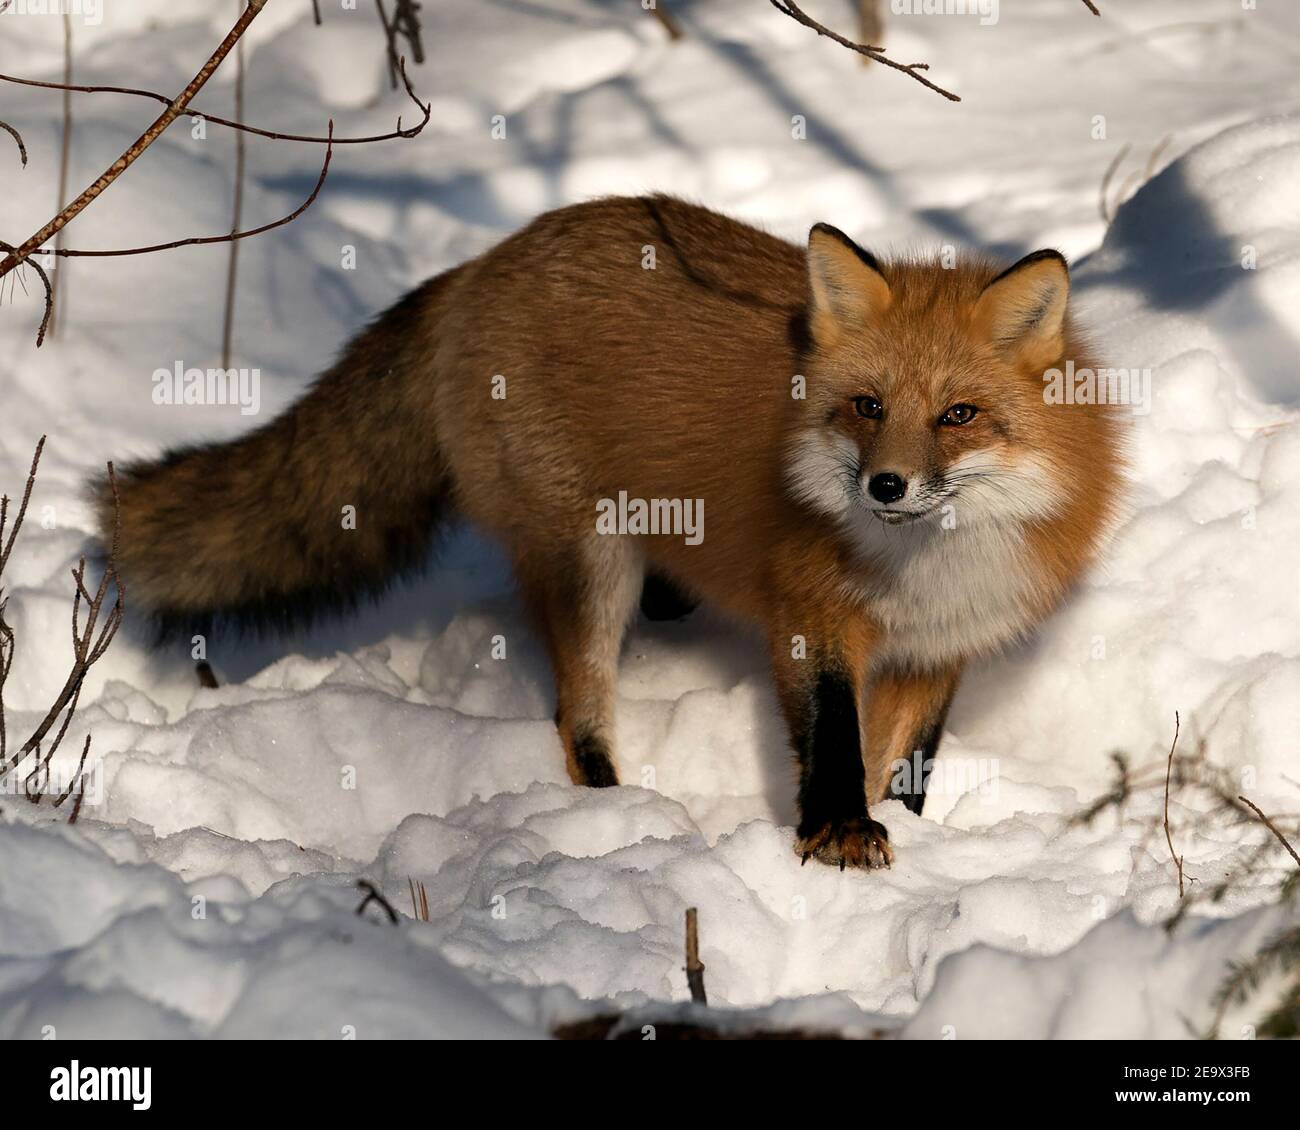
(858, 842)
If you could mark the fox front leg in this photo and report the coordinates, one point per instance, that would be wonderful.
(906, 710)
(821, 693)
(834, 824)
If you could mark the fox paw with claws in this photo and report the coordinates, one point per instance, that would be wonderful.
(859, 842)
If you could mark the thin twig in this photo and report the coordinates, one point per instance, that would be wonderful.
(791, 9)
(49, 291)
(694, 966)
(18, 137)
(65, 155)
(1104, 195)
(88, 646)
(76, 805)
(202, 239)
(232, 267)
(426, 109)
(660, 12)
(1271, 827)
(1168, 835)
(419, 899)
(136, 148)
(1091, 7)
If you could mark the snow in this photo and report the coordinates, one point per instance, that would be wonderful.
(210, 889)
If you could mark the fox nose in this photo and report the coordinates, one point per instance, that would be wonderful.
(887, 487)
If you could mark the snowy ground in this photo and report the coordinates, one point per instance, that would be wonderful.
(209, 889)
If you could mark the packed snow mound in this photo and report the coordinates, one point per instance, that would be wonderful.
(209, 885)
(1215, 239)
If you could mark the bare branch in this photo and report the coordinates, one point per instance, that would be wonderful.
(22, 507)
(1091, 7)
(1169, 769)
(667, 20)
(694, 966)
(88, 647)
(49, 291)
(237, 212)
(137, 147)
(1271, 827)
(426, 109)
(65, 156)
(18, 137)
(201, 239)
(791, 9)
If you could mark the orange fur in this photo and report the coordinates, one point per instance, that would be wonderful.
(731, 372)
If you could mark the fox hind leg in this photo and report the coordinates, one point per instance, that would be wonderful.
(582, 601)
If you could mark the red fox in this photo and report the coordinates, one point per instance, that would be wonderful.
(876, 478)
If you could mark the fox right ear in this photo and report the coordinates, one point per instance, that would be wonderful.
(847, 284)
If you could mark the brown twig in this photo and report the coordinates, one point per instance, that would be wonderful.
(419, 901)
(426, 109)
(232, 266)
(694, 966)
(669, 22)
(1271, 827)
(202, 239)
(791, 9)
(18, 137)
(75, 814)
(373, 895)
(315, 10)
(406, 23)
(65, 155)
(88, 645)
(1169, 769)
(49, 291)
(136, 148)
(1091, 7)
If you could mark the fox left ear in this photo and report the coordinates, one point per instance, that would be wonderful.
(847, 284)
(1023, 309)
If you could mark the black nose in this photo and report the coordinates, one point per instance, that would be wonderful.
(887, 487)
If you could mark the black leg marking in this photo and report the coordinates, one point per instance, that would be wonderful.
(661, 599)
(834, 825)
(593, 761)
(832, 781)
(924, 748)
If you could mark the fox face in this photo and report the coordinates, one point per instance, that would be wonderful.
(924, 390)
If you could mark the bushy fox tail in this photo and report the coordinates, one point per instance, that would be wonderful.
(256, 533)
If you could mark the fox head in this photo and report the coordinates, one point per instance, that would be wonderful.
(924, 390)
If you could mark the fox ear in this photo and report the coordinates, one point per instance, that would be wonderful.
(847, 284)
(1023, 309)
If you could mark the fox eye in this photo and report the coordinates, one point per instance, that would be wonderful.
(869, 407)
(959, 414)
